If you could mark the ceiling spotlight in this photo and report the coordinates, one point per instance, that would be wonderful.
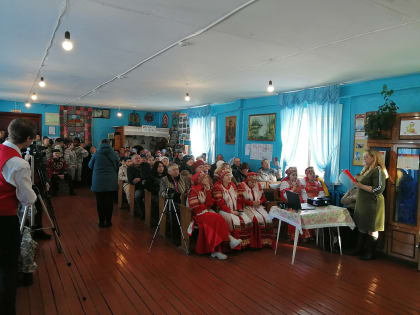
(119, 114)
(27, 104)
(270, 87)
(187, 97)
(42, 82)
(67, 43)
(34, 97)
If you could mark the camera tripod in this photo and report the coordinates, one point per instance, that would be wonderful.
(169, 208)
(29, 210)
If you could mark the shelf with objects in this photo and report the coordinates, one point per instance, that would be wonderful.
(401, 150)
(149, 137)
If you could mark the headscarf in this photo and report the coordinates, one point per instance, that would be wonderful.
(197, 164)
(223, 173)
(291, 170)
(251, 176)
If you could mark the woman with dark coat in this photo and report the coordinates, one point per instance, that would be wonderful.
(153, 185)
(187, 164)
(104, 165)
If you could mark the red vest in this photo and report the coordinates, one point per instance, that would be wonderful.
(8, 200)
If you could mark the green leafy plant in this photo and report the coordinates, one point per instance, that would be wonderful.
(384, 118)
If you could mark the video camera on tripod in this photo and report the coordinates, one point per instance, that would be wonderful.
(169, 193)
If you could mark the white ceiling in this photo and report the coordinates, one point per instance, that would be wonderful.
(295, 43)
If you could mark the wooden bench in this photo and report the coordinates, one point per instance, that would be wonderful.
(121, 193)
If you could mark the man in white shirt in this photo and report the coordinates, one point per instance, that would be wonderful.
(15, 188)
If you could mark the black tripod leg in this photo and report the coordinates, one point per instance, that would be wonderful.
(158, 225)
(180, 227)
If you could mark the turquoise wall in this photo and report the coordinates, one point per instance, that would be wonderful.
(356, 98)
(362, 97)
(100, 126)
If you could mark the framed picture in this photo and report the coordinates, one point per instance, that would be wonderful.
(359, 122)
(100, 113)
(230, 130)
(262, 127)
(360, 146)
(410, 128)
(51, 130)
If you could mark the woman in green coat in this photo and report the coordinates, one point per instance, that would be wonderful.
(369, 213)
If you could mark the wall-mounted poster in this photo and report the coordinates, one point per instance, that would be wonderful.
(360, 146)
(100, 113)
(262, 127)
(230, 130)
(51, 130)
(410, 128)
(359, 122)
(52, 119)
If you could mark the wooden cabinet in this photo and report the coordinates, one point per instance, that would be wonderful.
(402, 206)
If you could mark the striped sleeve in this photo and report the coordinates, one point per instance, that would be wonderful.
(378, 185)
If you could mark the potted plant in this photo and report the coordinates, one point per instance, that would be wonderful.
(379, 123)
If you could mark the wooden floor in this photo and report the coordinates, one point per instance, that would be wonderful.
(112, 273)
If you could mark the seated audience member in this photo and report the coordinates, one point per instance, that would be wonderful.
(178, 158)
(221, 166)
(180, 188)
(253, 200)
(121, 153)
(187, 164)
(313, 186)
(59, 145)
(153, 185)
(241, 173)
(236, 164)
(292, 183)
(56, 170)
(213, 167)
(226, 195)
(204, 157)
(47, 143)
(70, 158)
(198, 166)
(186, 176)
(151, 161)
(2, 135)
(164, 160)
(137, 173)
(267, 174)
(122, 175)
(212, 228)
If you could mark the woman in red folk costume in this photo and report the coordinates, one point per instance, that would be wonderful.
(253, 198)
(292, 183)
(212, 228)
(226, 195)
(313, 186)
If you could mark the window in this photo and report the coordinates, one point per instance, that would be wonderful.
(303, 157)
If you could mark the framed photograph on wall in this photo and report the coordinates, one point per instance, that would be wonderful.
(359, 147)
(359, 122)
(410, 128)
(100, 113)
(230, 130)
(262, 127)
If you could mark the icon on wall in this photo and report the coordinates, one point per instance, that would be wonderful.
(230, 127)
(165, 120)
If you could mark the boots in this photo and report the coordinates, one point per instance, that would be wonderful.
(370, 248)
(361, 239)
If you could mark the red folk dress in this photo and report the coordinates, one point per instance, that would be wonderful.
(262, 233)
(212, 228)
(313, 188)
(240, 226)
(300, 190)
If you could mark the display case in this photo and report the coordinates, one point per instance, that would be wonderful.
(402, 204)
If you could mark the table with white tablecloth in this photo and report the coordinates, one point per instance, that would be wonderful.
(320, 217)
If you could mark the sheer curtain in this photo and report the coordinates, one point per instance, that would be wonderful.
(200, 130)
(324, 120)
(325, 115)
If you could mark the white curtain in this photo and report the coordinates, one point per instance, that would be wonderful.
(291, 119)
(324, 137)
(200, 135)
